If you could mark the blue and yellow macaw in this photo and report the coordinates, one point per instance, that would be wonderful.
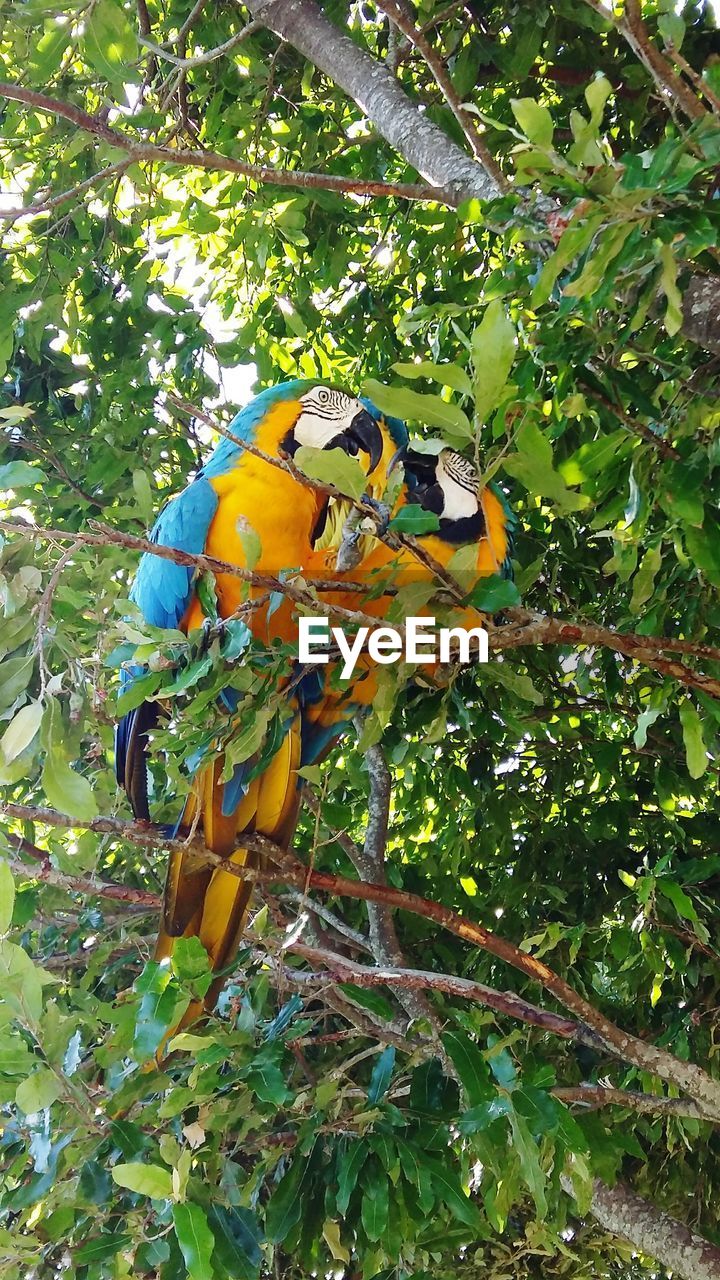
(234, 492)
(449, 486)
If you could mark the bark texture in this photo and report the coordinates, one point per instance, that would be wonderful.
(701, 312)
(376, 91)
(653, 1232)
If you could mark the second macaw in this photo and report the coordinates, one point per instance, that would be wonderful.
(470, 514)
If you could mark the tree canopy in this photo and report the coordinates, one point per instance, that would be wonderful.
(500, 221)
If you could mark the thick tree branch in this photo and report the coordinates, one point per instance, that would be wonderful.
(526, 628)
(139, 150)
(652, 1231)
(620, 1044)
(539, 629)
(376, 91)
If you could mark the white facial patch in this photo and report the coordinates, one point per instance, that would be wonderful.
(326, 413)
(458, 481)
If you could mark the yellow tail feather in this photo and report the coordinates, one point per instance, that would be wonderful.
(212, 904)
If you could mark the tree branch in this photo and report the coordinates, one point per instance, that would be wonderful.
(379, 96)
(397, 15)
(201, 59)
(504, 1002)
(527, 628)
(651, 1231)
(594, 1096)
(632, 28)
(139, 150)
(370, 865)
(52, 202)
(620, 1044)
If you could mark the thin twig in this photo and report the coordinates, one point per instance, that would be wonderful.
(200, 59)
(44, 206)
(211, 160)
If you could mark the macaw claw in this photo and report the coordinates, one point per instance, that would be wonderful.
(382, 511)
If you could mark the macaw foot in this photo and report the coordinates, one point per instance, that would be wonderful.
(382, 511)
(210, 631)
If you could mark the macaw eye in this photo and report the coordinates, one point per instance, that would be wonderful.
(323, 395)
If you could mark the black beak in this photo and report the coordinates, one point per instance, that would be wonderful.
(365, 433)
(419, 467)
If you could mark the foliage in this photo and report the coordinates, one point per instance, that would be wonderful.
(565, 794)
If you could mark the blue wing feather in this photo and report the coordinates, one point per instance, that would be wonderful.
(163, 590)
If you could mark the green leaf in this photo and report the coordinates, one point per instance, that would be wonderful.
(352, 1161)
(332, 467)
(414, 520)
(156, 1010)
(143, 493)
(470, 1066)
(493, 345)
(448, 375)
(596, 95)
(526, 1148)
(144, 1179)
(237, 1242)
(268, 1083)
(668, 284)
(532, 465)
(110, 42)
(672, 29)
(7, 896)
(99, 1248)
(449, 1190)
(46, 54)
(40, 1090)
(375, 1204)
(695, 752)
(644, 580)
(381, 1074)
(681, 901)
(21, 731)
(644, 721)
(65, 789)
(20, 475)
(573, 241)
(406, 404)
(195, 1238)
(534, 120)
(495, 593)
(15, 676)
(594, 273)
(286, 1205)
(21, 981)
(371, 1000)
(516, 681)
(479, 1118)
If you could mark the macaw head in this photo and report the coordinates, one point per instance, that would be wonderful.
(301, 412)
(448, 485)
